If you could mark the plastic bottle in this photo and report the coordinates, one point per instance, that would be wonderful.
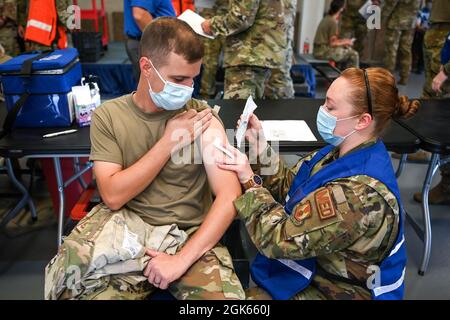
(306, 46)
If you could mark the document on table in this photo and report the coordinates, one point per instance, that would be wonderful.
(195, 22)
(287, 130)
(250, 107)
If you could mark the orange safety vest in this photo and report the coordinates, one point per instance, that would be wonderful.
(42, 24)
(181, 5)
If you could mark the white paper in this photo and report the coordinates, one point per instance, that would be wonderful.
(287, 130)
(250, 106)
(195, 22)
(363, 10)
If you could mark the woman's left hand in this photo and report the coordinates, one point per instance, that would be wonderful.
(239, 164)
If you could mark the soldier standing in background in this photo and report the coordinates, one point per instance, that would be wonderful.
(280, 84)
(255, 44)
(353, 25)
(213, 47)
(437, 84)
(8, 27)
(399, 17)
(433, 43)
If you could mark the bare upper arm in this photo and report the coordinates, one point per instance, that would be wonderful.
(139, 13)
(103, 171)
(220, 180)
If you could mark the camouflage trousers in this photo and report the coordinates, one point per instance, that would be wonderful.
(354, 26)
(8, 39)
(345, 56)
(213, 48)
(432, 45)
(319, 289)
(280, 85)
(104, 258)
(244, 81)
(398, 42)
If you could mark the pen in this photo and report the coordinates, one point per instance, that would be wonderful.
(54, 134)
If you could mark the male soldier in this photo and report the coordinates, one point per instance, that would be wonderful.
(256, 44)
(327, 43)
(399, 16)
(8, 27)
(434, 40)
(353, 24)
(155, 206)
(441, 193)
(433, 43)
(213, 49)
(280, 84)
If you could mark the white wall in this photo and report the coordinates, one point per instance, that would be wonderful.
(311, 13)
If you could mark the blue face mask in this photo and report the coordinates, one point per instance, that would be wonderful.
(172, 97)
(326, 123)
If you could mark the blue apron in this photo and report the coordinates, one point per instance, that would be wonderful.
(283, 278)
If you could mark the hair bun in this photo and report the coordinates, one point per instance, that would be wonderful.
(406, 108)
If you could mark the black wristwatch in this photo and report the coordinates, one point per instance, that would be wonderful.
(254, 181)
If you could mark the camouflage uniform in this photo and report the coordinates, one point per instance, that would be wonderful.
(256, 42)
(434, 41)
(361, 232)
(8, 31)
(353, 24)
(63, 16)
(213, 49)
(104, 258)
(280, 85)
(400, 19)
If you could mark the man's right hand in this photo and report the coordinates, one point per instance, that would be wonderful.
(185, 127)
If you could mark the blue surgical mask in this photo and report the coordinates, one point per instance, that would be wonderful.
(326, 123)
(173, 96)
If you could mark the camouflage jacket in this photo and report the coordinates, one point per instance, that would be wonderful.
(359, 234)
(400, 14)
(8, 9)
(256, 33)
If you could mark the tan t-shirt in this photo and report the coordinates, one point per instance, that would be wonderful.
(122, 133)
(327, 28)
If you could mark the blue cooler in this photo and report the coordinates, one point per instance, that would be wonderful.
(45, 88)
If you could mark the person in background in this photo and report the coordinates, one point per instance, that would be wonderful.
(213, 47)
(9, 27)
(280, 84)
(137, 15)
(256, 43)
(399, 17)
(353, 24)
(441, 193)
(328, 45)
